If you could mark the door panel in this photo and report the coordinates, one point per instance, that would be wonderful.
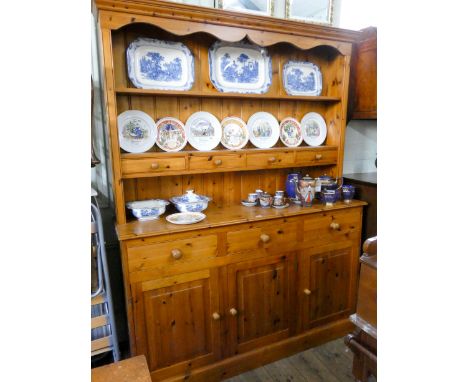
(260, 293)
(327, 283)
(174, 321)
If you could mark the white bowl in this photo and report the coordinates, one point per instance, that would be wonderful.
(148, 209)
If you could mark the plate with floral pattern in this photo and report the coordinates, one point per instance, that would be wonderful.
(137, 131)
(290, 132)
(302, 78)
(314, 129)
(203, 131)
(234, 133)
(263, 130)
(185, 217)
(170, 134)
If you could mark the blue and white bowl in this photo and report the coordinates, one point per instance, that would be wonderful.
(190, 202)
(148, 209)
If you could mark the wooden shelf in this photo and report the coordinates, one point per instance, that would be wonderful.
(154, 164)
(219, 216)
(213, 94)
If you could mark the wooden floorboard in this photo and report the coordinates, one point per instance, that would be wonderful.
(330, 362)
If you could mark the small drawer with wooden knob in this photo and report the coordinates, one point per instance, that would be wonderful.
(274, 158)
(317, 156)
(221, 162)
(320, 229)
(191, 253)
(147, 166)
(264, 236)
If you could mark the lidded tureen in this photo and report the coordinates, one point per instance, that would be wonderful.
(190, 202)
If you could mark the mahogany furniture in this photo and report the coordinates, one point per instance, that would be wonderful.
(363, 342)
(366, 190)
(245, 286)
(134, 369)
(363, 98)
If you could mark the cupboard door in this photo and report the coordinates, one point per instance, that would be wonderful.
(327, 283)
(177, 320)
(259, 302)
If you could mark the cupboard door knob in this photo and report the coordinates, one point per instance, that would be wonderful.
(176, 254)
(216, 316)
(218, 162)
(265, 238)
(318, 156)
(154, 166)
(307, 291)
(335, 226)
(272, 160)
(233, 312)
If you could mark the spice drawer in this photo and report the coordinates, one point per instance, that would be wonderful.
(152, 165)
(210, 162)
(329, 227)
(174, 253)
(270, 237)
(273, 159)
(316, 157)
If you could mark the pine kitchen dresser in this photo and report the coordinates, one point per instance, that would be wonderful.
(247, 285)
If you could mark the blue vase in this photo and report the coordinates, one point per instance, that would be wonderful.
(291, 184)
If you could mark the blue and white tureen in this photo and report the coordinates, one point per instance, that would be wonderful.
(190, 202)
(148, 209)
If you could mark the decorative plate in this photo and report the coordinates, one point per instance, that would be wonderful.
(203, 131)
(170, 134)
(137, 131)
(314, 129)
(234, 133)
(156, 64)
(248, 204)
(290, 132)
(263, 130)
(185, 217)
(282, 206)
(239, 67)
(302, 78)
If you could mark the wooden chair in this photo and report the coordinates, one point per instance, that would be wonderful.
(363, 342)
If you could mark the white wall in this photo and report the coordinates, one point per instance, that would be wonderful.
(360, 147)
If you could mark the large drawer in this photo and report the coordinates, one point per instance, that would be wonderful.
(174, 253)
(329, 227)
(272, 237)
(152, 165)
(210, 162)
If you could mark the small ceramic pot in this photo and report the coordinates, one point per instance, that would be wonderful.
(328, 197)
(348, 193)
(279, 193)
(265, 200)
(252, 198)
(278, 200)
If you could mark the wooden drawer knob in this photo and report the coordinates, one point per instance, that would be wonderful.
(218, 162)
(271, 160)
(307, 291)
(176, 254)
(233, 312)
(265, 238)
(318, 156)
(216, 316)
(335, 226)
(154, 166)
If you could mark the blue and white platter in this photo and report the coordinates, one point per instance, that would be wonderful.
(302, 78)
(239, 67)
(137, 131)
(163, 65)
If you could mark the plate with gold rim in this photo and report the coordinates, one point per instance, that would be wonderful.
(234, 133)
(171, 134)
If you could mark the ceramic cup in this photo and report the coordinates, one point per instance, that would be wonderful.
(265, 200)
(278, 200)
(252, 198)
(279, 193)
(348, 193)
(329, 197)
